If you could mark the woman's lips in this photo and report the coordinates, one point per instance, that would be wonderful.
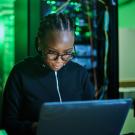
(57, 66)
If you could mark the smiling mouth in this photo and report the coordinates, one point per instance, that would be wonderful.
(57, 66)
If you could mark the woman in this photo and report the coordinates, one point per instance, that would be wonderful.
(47, 77)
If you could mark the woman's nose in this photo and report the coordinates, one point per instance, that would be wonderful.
(59, 60)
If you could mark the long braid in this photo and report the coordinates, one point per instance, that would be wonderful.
(53, 22)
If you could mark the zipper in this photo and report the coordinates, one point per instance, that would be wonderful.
(57, 86)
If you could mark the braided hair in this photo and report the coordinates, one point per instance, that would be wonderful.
(53, 22)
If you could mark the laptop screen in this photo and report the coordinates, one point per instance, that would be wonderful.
(99, 117)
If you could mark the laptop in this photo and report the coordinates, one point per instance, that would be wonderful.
(99, 117)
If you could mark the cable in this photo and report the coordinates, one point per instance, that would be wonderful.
(101, 1)
(106, 27)
(104, 87)
(112, 2)
(91, 40)
(63, 6)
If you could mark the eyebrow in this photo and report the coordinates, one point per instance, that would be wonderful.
(70, 49)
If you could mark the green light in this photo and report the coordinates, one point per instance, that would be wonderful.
(91, 14)
(76, 23)
(76, 3)
(66, 11)
(53, 2)
(54, 8)
(78, 29)
(53, 12)
(3, 132)
(72, 3)
(77, 9)
(88, 34)
(77, 33)
(48, 2)
(6, 43)
(1, 33)
(11, 17)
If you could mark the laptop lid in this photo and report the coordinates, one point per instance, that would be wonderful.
(99, 117)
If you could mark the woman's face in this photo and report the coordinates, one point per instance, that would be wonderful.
(57, 48)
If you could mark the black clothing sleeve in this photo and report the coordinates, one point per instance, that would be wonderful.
(12, 103)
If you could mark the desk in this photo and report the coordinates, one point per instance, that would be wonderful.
(128, 92)
(129, 125)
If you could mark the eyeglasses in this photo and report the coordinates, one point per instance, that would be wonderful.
(53, 55)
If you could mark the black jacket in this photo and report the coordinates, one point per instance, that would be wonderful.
(31, 83)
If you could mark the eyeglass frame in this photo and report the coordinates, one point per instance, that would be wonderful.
(57, 54)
